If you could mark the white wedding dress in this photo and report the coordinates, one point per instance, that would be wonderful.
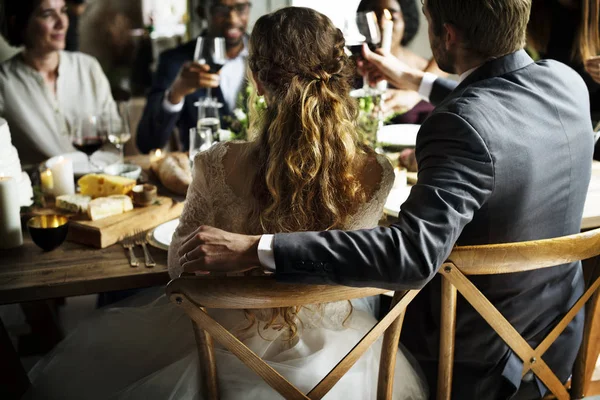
(145, 347)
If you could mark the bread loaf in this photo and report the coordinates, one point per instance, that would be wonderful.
(174, 172)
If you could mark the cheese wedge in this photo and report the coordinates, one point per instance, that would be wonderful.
(73, 202)
(103, 207)
(100, 185)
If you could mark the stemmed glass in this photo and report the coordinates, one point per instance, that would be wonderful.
(89, 135)
(368, 26)
(211, 51)
(120, 131)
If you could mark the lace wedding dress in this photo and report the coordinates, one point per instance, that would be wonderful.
(145, 348)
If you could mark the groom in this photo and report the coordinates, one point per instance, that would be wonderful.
(505, 157)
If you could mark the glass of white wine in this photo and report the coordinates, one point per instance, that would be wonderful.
(120, 131)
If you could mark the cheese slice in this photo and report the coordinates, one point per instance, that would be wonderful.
(100, 185)
(103, 207)
(73, 202)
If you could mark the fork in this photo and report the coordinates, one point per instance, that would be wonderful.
(140, 239)
(128, 244)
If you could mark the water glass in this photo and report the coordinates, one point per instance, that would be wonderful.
(200, 140)
(208, 116)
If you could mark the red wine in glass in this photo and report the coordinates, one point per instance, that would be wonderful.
(89, 145)
(215, 66)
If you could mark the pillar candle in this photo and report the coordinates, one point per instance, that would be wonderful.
(386, 41)
(10, 217)
(62, 177)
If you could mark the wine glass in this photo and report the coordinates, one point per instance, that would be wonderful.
(90, 135)
(368, 26)
(120, 131)
(213, 52)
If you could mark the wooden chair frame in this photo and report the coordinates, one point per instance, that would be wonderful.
(195, 294)
(512, 258)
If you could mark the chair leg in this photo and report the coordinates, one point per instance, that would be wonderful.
(447, 330)
(389, 349)
(208, 365)
(588, 352)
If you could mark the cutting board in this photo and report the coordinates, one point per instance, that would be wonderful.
(108, 231)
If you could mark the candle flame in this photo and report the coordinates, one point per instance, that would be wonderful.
(387, 14)
(158, 153)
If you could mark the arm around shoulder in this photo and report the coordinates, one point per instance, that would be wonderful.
(455, 179)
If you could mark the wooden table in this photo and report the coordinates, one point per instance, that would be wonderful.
(27, 273)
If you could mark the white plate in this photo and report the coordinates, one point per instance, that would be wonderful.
(81, 164)
(163, 234)
(395, 199)
(404, 135)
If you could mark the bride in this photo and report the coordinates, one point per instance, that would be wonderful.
(306, 170)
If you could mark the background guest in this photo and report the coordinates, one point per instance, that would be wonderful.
(179, 81)
(569, 31)
(45, 91)
(405, 15)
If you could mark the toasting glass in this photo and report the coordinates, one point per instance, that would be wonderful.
(211, 51)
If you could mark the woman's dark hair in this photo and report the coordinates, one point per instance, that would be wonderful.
(410, 13)
(16, 14)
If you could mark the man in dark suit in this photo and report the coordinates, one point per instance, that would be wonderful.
(505, 157)
(179, 81)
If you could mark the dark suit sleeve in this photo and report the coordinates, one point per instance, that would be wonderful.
(157, 124)
(455, 180)
(441, 89)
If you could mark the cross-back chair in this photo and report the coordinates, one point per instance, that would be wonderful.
(196, 294)
(513, 258)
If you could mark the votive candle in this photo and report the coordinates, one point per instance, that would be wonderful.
(10, 218)
(47, 181)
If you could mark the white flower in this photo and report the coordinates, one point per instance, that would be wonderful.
(239, 114)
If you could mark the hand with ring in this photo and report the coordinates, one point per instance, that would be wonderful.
(209, 249)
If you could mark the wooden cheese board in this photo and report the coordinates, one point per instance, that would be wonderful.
(108, 231)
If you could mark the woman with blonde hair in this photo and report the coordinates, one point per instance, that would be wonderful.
(306, 170)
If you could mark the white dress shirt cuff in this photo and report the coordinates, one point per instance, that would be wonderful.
(265, 252)
(427, 85)
(169, 107)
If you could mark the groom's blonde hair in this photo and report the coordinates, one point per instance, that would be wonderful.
(307, 145)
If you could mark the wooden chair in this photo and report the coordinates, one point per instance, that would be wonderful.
(512, 258)
(196, 294)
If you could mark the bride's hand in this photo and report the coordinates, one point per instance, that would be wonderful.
(210, 249)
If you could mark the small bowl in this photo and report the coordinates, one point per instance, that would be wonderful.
(130, 171)
(144, 195)
(48, 231)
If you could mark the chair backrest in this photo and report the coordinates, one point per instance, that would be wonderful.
(513, 258)
(196, 294)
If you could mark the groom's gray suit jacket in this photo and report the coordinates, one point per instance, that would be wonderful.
(505, 157)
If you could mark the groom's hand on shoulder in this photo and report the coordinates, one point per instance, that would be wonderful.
(209, 249)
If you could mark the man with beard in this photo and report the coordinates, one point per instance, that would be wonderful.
(505, 157)
(180, 81)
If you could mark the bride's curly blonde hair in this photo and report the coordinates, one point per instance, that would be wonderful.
(307, 142)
